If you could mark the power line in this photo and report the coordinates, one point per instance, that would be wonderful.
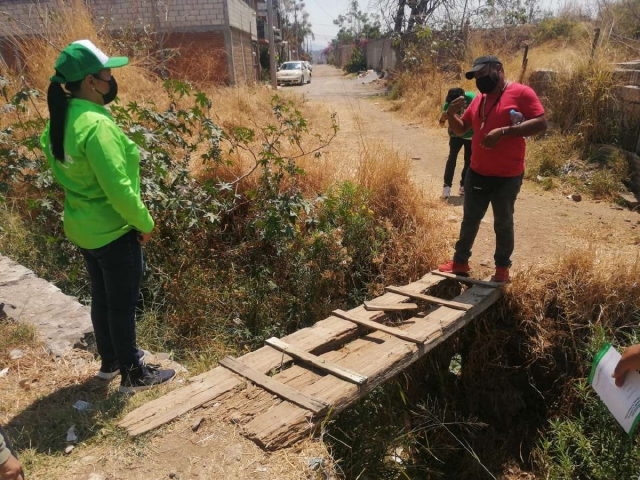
(321, 8)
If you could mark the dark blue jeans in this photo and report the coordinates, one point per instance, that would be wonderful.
(115, 271)
(455, 145)
(479, 192)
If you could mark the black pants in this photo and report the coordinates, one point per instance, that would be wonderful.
(455, 144)
(116, 272)
(480, 191)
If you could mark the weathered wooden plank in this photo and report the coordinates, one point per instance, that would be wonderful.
(206, 387)
(396, 332)
(394, 307)
(317, 362)
(275, 387)
(178, 402)
(429, 298)
(282, 425)
(467, 280)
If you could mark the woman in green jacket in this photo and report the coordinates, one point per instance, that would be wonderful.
(98, 167)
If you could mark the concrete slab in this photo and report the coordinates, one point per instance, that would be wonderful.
(60, 320)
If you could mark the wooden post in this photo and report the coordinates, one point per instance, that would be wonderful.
(525, 61)
(272, 46)
(596, 37)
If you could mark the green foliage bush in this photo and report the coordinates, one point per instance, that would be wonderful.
(234, 259)
(554, 28)
(357, 62)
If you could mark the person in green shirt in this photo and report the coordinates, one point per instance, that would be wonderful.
(98, 168)
(456, 143)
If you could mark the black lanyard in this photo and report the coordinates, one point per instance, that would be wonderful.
(483, 104)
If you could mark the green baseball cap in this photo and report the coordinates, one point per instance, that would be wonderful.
(83, 58)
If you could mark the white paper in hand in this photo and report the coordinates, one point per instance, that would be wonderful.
(623, 402)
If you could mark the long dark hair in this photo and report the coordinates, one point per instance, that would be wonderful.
(58, 101)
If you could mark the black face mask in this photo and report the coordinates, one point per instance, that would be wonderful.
(113, 90)
(488, 83)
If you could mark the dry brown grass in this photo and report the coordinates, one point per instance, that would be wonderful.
(420, 216)
(37, 408)
(135, 81)
(425, 91)
(559, 306)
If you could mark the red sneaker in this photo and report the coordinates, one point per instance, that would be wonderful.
(501, 275)
(455, 268)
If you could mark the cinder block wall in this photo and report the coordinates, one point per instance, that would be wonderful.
(26, 16)
(243, 17)
(201, 29)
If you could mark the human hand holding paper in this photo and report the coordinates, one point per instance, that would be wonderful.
(617, 383)
(630, 361)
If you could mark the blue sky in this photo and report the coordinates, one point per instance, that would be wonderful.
(321, 15)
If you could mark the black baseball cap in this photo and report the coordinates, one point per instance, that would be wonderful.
(480, 62)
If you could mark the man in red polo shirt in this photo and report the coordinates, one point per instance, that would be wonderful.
(500, 117)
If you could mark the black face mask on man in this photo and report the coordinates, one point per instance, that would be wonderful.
(488, 83)
(113, 90)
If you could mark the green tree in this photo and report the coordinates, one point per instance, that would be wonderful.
(296, 27)
(356, 25)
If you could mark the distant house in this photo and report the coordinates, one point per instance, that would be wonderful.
(217, 40)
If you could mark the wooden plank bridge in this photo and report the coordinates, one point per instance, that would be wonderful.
(281, 391)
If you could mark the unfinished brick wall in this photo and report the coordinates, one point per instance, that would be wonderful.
(26, 16)
(203, 56)
(243, 58)
(214, 36)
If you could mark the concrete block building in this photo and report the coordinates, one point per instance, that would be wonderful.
(217, 40)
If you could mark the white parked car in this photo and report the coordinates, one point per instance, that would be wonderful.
(293, 72)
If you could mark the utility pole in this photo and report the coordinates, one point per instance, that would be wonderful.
(295, 23)
(272, 45)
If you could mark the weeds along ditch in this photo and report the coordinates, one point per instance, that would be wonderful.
(254, 238)
(509, 392)
(250, 246)
(244, 249)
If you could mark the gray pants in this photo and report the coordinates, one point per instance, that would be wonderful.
(480, 191)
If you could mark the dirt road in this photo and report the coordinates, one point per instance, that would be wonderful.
(547, 223)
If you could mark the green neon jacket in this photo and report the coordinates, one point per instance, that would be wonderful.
(100, 177)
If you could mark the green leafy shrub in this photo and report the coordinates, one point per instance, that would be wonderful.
(554, 28)
(241, 251)
(357, 62)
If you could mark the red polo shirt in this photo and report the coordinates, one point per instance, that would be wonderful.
(506, 158)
